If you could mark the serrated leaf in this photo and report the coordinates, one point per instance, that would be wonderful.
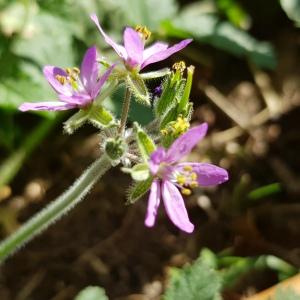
(137, 86)
(208, 28)
(194, 282)
(138, 190)
(92, 293)
(145, 143)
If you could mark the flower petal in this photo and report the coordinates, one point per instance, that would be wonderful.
(175, 208)
(50, 73)
(153, 49)
(118, 48)
(134, 47)
(156, 158)
(159, 56)
(153, 204)
(186, 142)
(208, 174)
(51, 106)
(96, 89)
(79, 99)
(89, 70)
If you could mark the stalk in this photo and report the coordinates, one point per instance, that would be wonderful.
(56, 209)
(125, 110)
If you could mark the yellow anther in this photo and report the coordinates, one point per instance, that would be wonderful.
(186, 192)
(76, 70)
(69, 71)
(61, 79)
(194, 184)
(194, 176)
(164, 131)
(143, 31)
(179, 66)
(180, 179)
(188, 168)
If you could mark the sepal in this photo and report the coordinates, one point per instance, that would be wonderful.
(115, 149)
(145, 143)
(139, 172)
(138, 189)
(138, 88)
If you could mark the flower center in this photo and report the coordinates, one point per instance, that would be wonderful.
(186, 180)
(72, 78)
(144, 32)
(176, 128)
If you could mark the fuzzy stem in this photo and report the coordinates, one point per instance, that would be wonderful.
(56, 209)
(125, 110)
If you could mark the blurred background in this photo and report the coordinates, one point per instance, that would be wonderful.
(246, 86)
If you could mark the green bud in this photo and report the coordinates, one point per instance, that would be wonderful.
(138, 88)
(115, 148)
(139, 172)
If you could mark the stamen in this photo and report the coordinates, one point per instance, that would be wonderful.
(61, 79)
(180, 179)
(76, 70)
(194, 176)
(194, 184)
(143, 31)
(188, 168)
(176, 128)
(179, 66)
(69, 71)
(186, 192)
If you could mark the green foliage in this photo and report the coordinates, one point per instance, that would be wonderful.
(145, 143)
(265, 191)
(208, 28)
(138, 88)
(286, 294)
(138, 189)
(92, 293)
(194, 282)
(292, 9)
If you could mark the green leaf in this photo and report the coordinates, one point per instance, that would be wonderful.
(265, 191)
(145, 143)
(208, 28)
(292, 9)
(92, 293)
(140, 12)
(198, 281)
(137, 86)
(286, 294)
(138, 189)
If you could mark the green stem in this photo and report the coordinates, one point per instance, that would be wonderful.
(10, 167)
(125, 111)
(56, 209)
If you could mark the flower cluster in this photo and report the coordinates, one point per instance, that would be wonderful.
(152, 154)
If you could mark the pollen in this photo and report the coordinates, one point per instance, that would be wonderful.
(143, 31)
(188, 168)
(176, 128)
(61, 79)
(181, 179)
(194, 184)
(186, 192)
(179, 66)
(194, 176)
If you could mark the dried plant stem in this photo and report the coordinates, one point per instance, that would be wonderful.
(125, 111)
(56, 209)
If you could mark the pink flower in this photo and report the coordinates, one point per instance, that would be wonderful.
(75, 88)
(133, 53)
(170, 176)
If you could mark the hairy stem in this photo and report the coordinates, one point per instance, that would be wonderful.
(56, 209)
(125, 111)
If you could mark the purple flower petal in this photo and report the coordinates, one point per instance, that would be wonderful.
(51, 105)
(89, 70)
(156, 158)
(153, 49)
(50, 73)
(159, 56)
(186, 142)
(208, 174)
(153, 203)
(175, 208)
(97, 88)
(134, 47)
(118, 48)
(79, 99)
